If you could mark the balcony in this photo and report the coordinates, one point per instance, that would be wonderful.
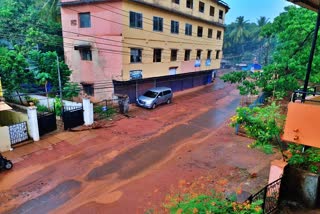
(303, 119)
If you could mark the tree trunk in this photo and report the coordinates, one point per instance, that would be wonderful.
(19, 97)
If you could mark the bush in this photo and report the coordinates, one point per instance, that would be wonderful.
(260, 123)
(42, 108)
(213, 203)
(58, 106)
(308, 160)
(31, 99)
(104, 114)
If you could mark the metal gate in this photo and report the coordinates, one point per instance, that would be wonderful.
(18, 133)
(47, 122)
(72, 116)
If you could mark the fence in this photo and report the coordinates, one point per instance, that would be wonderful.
(179, 82)
(269, 195)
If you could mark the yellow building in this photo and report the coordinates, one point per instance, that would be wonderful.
(123, 40)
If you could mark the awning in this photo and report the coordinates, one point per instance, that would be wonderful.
(4, 106)
(85, 46)
(309, 4)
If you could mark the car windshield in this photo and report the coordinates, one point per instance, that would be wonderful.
(150, 94)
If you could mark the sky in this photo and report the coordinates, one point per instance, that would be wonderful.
(253, 9)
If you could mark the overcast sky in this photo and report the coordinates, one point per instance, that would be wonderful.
(253, 9)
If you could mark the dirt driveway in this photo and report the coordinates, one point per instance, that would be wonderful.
(131, 166)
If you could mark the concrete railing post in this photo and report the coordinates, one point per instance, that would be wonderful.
(87, 111)
(33, 123)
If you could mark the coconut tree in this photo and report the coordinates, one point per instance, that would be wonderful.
(51, 10)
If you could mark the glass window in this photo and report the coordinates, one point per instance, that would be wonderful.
(200, 31)
(217, 54)
(189, 4)
(209, 33)
(157, 24)
(85, 20)
(187, 54)
(175, 27)
(135, 20)
(211, 11)
(220, 14)
(209, 54)
(157, 55)
(188, 30)
(174, 55)
(85, 54)
(88, 89)
(219, 35)
(176, 1)
(199, 54)
(135, 55)
(151, 94)
(201, 7)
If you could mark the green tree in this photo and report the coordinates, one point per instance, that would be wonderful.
(13, 71)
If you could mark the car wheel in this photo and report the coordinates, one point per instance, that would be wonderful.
(8, 165)
(153, 106)
(168, 101)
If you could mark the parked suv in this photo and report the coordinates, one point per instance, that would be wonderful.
(154, 97)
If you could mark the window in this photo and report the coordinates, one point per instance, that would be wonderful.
(209, 33)
(217, 54)
(211, 11)
(85, 20)
(166, 92)
(85, 54)
(220, 14)
(209, 54)
(175, 27)
(188, 30)
(174, 55)
(176, 1)
(200, 31)
(219, 35)
(157, 55)
(135, 55)
(157, 24)
(135, 20)
(201, 7)
(199, 54)
(187, 54)
(88, 89)
(189, 4)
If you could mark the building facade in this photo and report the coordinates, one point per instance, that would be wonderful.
(106, 40)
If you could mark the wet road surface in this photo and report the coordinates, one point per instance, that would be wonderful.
(72, 174)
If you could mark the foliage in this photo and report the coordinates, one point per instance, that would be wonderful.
(213, 203)
(58, 106)
(12, 70)
(71, 90)
(286, 70)
(22, 23)
(104, 114)
(42, 108)
(308, 160)
(260, 123)
(243, 41)
(32, 99)
(45, 67)
(245, 86)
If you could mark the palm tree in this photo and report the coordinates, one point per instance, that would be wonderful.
(240, 32)
(262, 21)
(51, 10)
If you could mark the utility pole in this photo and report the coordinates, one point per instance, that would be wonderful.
(59, 78)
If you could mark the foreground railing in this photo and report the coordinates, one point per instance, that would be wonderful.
(269, 195)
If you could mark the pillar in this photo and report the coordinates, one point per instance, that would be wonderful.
(33, 123)
(87, 111)
(276, 170)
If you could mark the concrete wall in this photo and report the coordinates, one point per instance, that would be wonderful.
(44, 101)
(11, 117)
(5, 144)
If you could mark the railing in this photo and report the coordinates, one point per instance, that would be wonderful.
(301, 95)
(269, 196)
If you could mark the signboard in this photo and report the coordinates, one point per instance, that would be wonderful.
(197, 63)
(135, 74)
